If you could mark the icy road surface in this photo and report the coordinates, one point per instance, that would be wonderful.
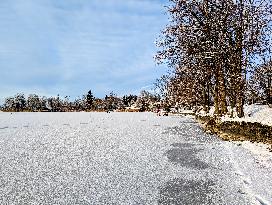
(124, 158)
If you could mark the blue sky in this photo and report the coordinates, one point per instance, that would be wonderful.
(67, 47)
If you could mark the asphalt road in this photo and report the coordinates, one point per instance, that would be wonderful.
(115, 158)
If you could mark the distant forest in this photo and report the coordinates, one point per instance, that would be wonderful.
(146, 101)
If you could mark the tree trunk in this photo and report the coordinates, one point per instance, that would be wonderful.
(240, 81)
(221, 90)
(240, 100)
(217, 110)
(222, 94)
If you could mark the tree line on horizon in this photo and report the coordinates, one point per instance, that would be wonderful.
(218, 53)
(145, 101)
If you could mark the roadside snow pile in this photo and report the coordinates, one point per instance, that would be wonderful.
(254, 113)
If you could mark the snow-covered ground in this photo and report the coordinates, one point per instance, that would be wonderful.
(254, 166)
(126, 158)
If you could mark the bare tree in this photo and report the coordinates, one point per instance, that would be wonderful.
(260, 84)
(211, 54)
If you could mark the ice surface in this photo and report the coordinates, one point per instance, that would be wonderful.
(125, 158)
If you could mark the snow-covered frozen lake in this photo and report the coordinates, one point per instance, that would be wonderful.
(125, 158)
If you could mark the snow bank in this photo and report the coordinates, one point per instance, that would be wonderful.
(254, 113)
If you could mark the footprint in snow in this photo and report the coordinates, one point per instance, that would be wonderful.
(239, 173)
(2, 128)
(84, 123)
(261, 200)
(246, 181)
